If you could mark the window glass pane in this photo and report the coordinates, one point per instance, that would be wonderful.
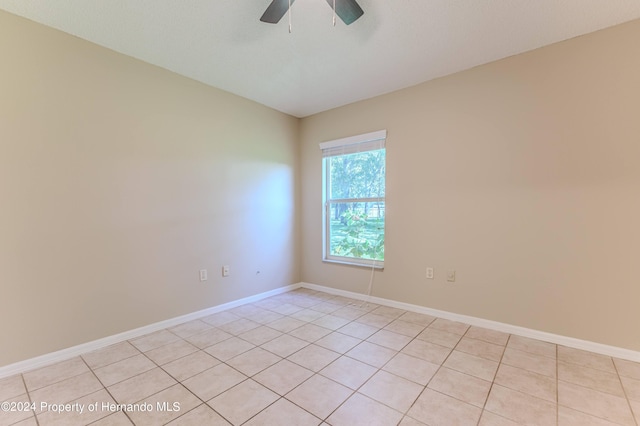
(359, 175)
(357, 230)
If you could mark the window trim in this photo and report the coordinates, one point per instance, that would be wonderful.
(360, 143)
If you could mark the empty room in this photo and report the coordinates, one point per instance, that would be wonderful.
(194, 227)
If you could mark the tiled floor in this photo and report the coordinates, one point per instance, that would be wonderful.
(310, 358)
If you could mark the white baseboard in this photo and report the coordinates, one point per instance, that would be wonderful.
(64, 354)
(571, 342)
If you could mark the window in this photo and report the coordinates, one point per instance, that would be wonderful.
(353, 178)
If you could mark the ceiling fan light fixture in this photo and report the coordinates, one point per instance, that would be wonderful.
(348, 10)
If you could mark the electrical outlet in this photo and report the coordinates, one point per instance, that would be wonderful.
(430, 272)
(203, 274)
(225, 271)
(451, 276)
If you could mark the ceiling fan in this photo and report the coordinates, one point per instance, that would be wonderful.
(348, 10)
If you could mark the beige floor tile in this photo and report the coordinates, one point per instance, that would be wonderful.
(12, 416)
(525, 389)
(286, 324)
(391, 390)
(375, 320)
(48, 375)
(405, 328)
(285, 345)
(307, 315)
(110, 354)
(627, 368)
(586, 359)
(208, 338)
(266, 317)
(239, 326)
(77, 417)
(450, 326)
(346, 301)
(417, 318)
(533, 346)
(154, 340)
(260, 335)
(159, 415)
(171, 352)
(319, 396)
(569, 417)
(307, 302)
(338, 342)
(371, 354)
(30, 421)
(415, 369)
(434, 408)
(326, 307)
(331, 322)
(470, 364)
(439, 337)
(350, 313)
(390, 340)
(190, 365)
(480, 348)
(427, 351)
(220, 318)
(490, 419)
(590, 378)
(229, 348)
(287, 309)
(141, 386)
(68, 390)
(11, 386)
(596, 403)
(408, 421)
(358, 330)
(635, 407)
(122, 370)
(530, 362)
(314, 357)
(487, 335)
(389, 311)
(359, 410)
(631, 388)
(190, 328)
(268, 303)
(521, 407)
(310, 332)
(283, 412)
(528, 382)
(283, 376)
(348, 371)
(461, 386)
(248, 310)
(202, 415)
(212, 382)
(115, 419)
(243, 401)
(253, 361)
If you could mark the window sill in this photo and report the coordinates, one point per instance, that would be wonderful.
(378, 266)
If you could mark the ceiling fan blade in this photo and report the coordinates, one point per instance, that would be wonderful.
(348, 10)
(275, 11)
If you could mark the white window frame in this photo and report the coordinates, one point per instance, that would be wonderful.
(351, 145)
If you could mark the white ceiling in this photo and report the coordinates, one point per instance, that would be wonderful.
(395, 44)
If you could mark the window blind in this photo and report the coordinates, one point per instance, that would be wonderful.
(353, 144)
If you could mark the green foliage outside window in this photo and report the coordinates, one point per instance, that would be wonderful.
(356, 196)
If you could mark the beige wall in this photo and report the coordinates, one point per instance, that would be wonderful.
(118, 182)
(522, 175)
